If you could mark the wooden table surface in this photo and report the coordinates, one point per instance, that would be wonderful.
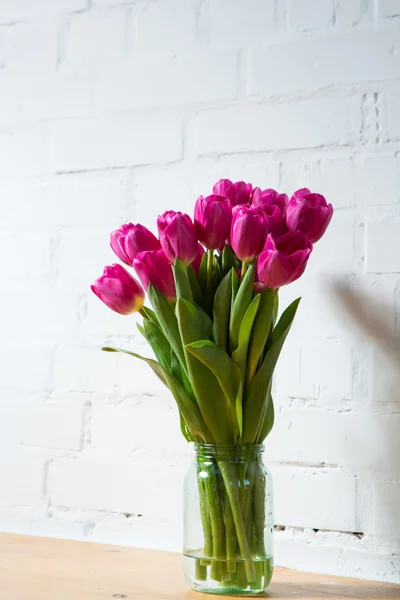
(33, 568)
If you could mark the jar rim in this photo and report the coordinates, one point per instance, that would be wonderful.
(229, 449)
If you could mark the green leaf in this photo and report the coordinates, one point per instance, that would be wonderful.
(241, 303)
(259, 388)
(222, 306)
(228, 259)
(168, 322)
(190, 413)
(228, 375)
(260, 333)
(197, 292)
(240, 354)
(182, 283)
(208, 392)
(267, 422)
(235, 285)
(158, 342)
(203, 273)
(149, 314)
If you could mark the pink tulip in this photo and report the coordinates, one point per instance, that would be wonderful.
(237, 193)
(177, 236)
(269, 197)
(199, 257)
(212, 219)
(283, 260)
(153, 267)
(248, 231)
(119, 290)
(130, 239)
(276, 220)
(308, 213)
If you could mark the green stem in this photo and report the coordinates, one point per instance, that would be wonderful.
(247, 509)
(216, 520)
(204, 514)
(228, 472)
(245, 266)
(210, 265)
(230, 534)
(259, 510)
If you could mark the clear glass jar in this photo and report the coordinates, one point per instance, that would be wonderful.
(228, 520)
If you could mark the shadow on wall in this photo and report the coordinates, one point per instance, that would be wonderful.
(374, 319)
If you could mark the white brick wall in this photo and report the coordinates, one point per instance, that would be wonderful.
(114, 110)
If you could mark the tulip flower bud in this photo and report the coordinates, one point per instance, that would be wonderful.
(212, 219)
(237, 193)
(269, 197)
(283, 260)
(177, 236)
(248, 231)
(199, 257)
(153, 267)
(275, 219)
(119, 290)
(308, 213)
(130, 239)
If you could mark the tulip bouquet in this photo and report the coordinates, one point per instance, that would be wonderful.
(213, 285)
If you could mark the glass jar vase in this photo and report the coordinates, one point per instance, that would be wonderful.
(228, 520)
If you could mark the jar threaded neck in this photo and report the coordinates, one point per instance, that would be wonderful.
(228, 451)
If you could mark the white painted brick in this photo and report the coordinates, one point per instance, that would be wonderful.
(382, 455)
(21, 481)
(307, 15)
(51, 528)
(236, 24)
(306, 124)
(46, 314)
(339, 244)
(91, 370)
(389, 8)
(116, 485)
(125, 426)
(287, 371)
(327, 370)
(369, 565)
(349, 14)
(90, 201)
(32, 97)
(163, 81)
(295, 556)
(23, 150)
(52, 424)
(301, 434)
(392, 103)
(83, 256)
(383, 247)
(168, 27)
(378, 180)
(116, 141)
(31, 48)
(335, 176)
(78, 145)
(313, 498)
(105, 3)
(30, 257)
(18, 10)
(386, 509)
(315, 63)
(93, 38)
(27, 367)
(385, 377)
